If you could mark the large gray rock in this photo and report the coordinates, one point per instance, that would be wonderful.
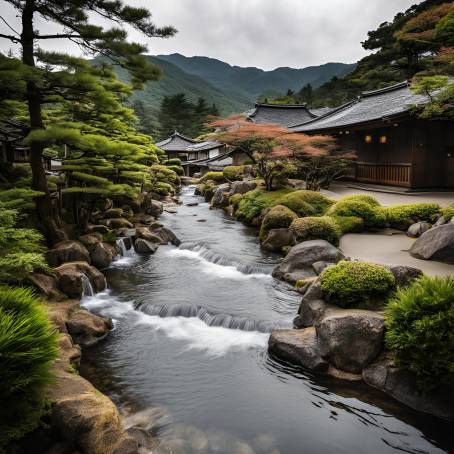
(276, 239)
(350, 339)
(298, 347)
(221, 196)
(241, 187)
(298, 263)
(417, 229)
(166, 235)
(67, 251)
(404, 275)
(87, 329)
(436, 244)
(401, 384)
(144, 233)
(142, 246)
(311, 311)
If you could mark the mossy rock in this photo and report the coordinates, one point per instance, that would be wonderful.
(306, 203)
(218, 177)
(315, 228)
(373, 216)
(372, 201)
(235, 199)
(349, 224)
(233, 173)
(277, 217)
(402, 216)
(448, 213)
(357, 284)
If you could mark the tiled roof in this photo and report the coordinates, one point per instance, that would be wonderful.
(205, 146)
(370, 106)
(321, 111)
(176, 142)
(285, 115)
(206, 161)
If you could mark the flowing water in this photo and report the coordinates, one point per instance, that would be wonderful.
(188, 355)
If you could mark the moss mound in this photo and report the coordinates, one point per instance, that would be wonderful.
(306, 203)
(420, 330)
(28, 345)
(218, 177)
(277, 217)
(373, 216)
(402, 216)
(233, 173)
(356, 284)
(448, 212)
(348, 224)
(372, 201)
(316, 228)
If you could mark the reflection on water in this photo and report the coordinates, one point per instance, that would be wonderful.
(188, 362)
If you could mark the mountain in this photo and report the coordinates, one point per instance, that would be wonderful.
(252, 82)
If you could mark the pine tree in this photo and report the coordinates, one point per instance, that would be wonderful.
(176, 114)
(45, 84)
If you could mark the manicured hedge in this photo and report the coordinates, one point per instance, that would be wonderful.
(420, 330)
(277, 217)
(28, 345)
(357, 284)
(177, 169)
(402, 216)
(316, 228)
(350, 207)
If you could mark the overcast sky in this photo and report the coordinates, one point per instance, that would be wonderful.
(262, 33)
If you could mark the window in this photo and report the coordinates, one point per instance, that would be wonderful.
(368, 139)
(383, 139)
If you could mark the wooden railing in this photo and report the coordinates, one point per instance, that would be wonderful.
(394, 174)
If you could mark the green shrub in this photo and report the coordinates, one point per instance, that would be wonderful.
(110, 237)
(163, 188)
(218, 177)
(173, 162)
(356, 284)
(233, 173)
(254, 202)
(177, 169)
(315, 228)
(277, 217)
(28, 345)
(373, 216)
(372, 201)
(420, 330)
(402, 216)
(162, 173)
(349, 224)
(306, 203)
(448, 212)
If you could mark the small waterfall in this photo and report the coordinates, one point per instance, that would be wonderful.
(211, 319)
(223, 260)
(121, 245)
(87, 287)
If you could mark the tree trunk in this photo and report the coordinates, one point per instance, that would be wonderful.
(48, 218)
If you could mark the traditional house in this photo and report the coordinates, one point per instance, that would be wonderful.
(393, 146)
(201, 155)
(285, 115)
(176, 146)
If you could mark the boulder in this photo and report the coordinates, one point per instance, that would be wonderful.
(320, 266)
(156, 208)
(143, 219)
(312, 311)
(118, 223)
(90, 240)
(166, 235)
(67, 251)
(276, 239)
(221, 196)
(70, 278)
(87, 329)
(350, 339)
(401, 384)
(440, 221)
(45, 284)
(142, 246)
(86, 418)
(102, 229)
(435, 244)
(103, 254)
(417, 229)
(113, 213)
(298, 263)
(404, 275)
(241, 187)
(145, 234)
(298, 347)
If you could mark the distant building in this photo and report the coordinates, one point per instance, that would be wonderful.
(393, 146)
(176, 146)
(285, 115)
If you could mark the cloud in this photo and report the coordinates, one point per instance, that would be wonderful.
(265, 33)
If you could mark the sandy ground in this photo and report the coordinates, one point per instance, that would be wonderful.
(389, 250)
(340, 190)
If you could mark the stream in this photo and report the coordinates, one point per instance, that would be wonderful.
(188, 358)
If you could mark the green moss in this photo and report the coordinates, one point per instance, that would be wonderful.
(233, 173)
(372, 201)
(402, 216)
(315, 228)
(420, 330)
(254, 202)
(373, 216)
(173, 162)
(349, 224)
(306, 203)
(177, 169)
(110, 237)
(277, 217)
(235, 199)
(357, 284)
(28, 346)
(448, 212)
(218, 177)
